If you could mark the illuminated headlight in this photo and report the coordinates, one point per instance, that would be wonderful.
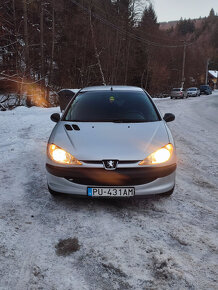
(160, 156)
(59, 155)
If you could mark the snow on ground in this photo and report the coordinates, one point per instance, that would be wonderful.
(153, 243)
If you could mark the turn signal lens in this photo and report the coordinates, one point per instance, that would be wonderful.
(160, 156)
(61, 156)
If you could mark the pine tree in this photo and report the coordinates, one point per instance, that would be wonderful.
(212, 13)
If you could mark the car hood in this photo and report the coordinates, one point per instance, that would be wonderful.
(122, 141)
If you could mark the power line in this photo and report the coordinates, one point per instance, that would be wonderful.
(122, 5)
(131, 35)
(1, 47)
(10, 78)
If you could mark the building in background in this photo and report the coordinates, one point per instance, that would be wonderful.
(213, 78)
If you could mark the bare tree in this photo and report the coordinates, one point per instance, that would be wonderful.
(97, 54)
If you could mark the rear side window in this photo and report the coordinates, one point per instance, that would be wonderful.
(112, 106)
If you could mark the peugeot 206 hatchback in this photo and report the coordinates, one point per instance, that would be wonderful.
(111, 141)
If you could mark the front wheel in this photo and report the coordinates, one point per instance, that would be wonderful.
(52, 192)
(168, 193)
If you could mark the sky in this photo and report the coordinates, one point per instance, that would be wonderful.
(168, 10)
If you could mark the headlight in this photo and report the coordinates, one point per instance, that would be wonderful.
(61, 156)
(160, 156)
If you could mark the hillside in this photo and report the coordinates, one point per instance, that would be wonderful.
(172, 24)
(54, 44)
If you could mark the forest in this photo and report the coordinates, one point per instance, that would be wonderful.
(48, 45)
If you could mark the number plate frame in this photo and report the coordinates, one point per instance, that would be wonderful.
(112, 191)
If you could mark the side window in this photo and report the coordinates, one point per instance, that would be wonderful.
(65, 96)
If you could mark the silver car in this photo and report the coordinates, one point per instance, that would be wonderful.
(193, 92)
(111, 141)
(178, 93)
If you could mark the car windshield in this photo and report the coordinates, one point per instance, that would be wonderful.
(112, 106)
(192, 89)
(176, 90)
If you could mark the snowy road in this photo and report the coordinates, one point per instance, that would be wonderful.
(155, 243)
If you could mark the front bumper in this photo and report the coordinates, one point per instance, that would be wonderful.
(192, 94)
(146, 180)
(177, 96)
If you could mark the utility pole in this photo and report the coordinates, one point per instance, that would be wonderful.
(183, 65)
(206, 76)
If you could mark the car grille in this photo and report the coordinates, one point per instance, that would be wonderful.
(111, 180)
(120, 161)
(118, 177)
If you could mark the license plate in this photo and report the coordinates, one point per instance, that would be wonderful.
(111, 191)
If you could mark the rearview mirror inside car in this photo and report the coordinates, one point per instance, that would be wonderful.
(55, 117)
(168, 117)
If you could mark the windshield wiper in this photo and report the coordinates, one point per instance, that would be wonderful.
(128, 121)
(78, 120)
(113, 121)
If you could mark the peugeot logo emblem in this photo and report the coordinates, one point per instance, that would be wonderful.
(110, 164)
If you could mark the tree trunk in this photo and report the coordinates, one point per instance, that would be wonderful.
(147, 73)
(15, 34)
(42, 40)
(127, 63)
(53, 43)
(96, 50)
(26, 35)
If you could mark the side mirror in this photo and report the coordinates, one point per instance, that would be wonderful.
(55, 117)
(168, 117)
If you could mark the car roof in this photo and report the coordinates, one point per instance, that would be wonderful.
(111, 88)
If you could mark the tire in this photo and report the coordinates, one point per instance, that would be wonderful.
(53, 193)
(168, 193)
